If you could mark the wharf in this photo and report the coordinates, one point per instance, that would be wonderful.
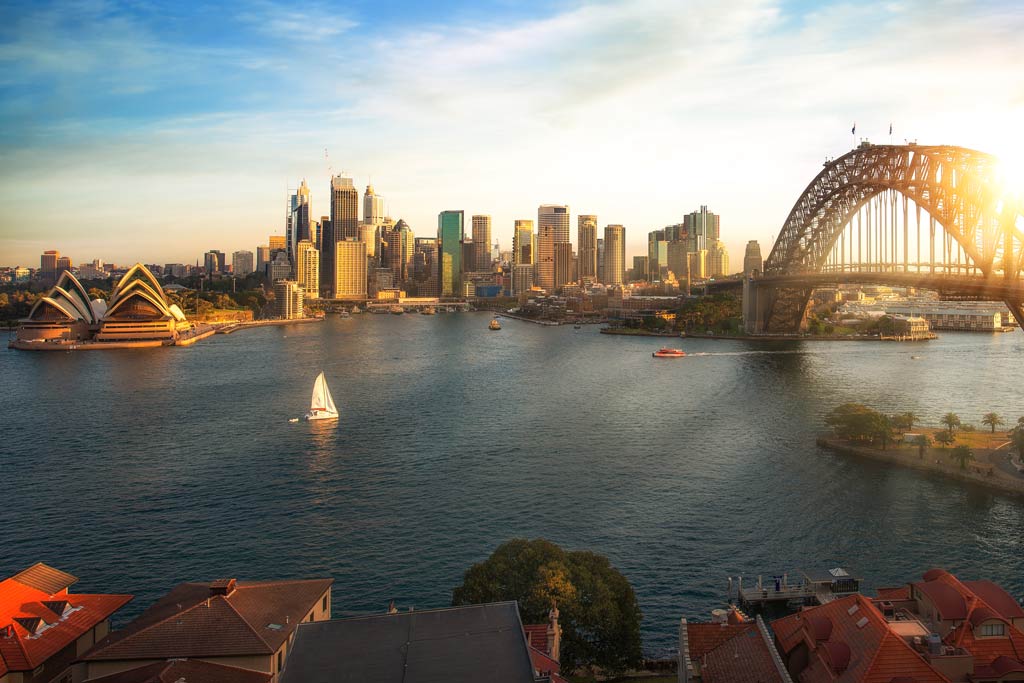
(234, 327)
(812, 588)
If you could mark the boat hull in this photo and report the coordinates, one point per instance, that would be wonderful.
(310, 417)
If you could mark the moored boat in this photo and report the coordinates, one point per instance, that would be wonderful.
(669, 353)
(429, 310)
(494, 324)
(397, 310)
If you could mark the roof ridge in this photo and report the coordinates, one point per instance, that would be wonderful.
(746, 626)
(906, 646)
(96, 649)
(247, 624)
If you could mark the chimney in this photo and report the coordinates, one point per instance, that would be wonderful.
(223, 587)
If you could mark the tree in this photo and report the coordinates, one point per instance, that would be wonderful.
(923, 442)
(857, 422)
(1017, 437)
(952, 421)
(598, 611)
(945, 437)
(993, 420)
(905, 421)
(963, 455)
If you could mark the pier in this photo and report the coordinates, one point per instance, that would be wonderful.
(812, 588)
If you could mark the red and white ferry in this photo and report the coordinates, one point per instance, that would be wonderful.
(669, 353)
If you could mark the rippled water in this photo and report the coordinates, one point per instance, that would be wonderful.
(136, 470)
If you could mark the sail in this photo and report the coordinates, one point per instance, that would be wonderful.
(322, 400)
(328, 399)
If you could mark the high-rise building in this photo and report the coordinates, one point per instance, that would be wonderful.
(373, 236)
(400, 252)
(373, 207)
(450, 234)
(262, 258)
(325, 224)
(48, 264)
(697, 264)
(564, 264)
(214, 262)
(677, 259)
(279, 267)
(241, 263)
(552, 228)
(522, 278)
(277, 243)
(64, 264)
(425, 266)
(639, 268)
(482, 243)
(297, 220)
(701, 229)
(600, 260)
(288, 300)
(307, 269)
(752, 261)
(614, 254)
(350, 270)
(657, 256)
(344, 225)
(586, 245)
(718, 259)
(468, 257)
(523, 243)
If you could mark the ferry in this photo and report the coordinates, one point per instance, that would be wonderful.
(494, 325)
(669, 353)
(429, 310)
(397, 310)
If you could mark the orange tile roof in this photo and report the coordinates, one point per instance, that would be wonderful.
(537, 636)
(703, 638)
(39, 618)
(744, 658)
(185, 670)
(254, 619)
(896, 593)
(876, 654)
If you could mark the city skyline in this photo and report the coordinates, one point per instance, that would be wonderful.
(198, 141)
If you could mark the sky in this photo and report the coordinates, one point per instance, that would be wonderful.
(155, 131)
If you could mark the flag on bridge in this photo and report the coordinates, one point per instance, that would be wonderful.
(890, 129)
(853, 131)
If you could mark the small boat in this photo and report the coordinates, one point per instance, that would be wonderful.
(321, 406)
(915, 358)
(576, 327)
(494, 325)
(293, 419)
(356, 309)
(397, 310)
(344, 314)
(669, 353)
(429, 310)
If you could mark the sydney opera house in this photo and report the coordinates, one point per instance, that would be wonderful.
(138, 314)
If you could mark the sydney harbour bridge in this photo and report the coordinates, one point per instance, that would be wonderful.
(931, 217)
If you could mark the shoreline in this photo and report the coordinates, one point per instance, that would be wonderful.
(639, 333)
(235, 327)
(908, 457)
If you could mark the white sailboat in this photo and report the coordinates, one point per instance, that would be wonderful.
(321, 407)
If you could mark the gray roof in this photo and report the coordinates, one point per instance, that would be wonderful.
(474, 643)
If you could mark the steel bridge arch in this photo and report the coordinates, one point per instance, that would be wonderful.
(955, 185)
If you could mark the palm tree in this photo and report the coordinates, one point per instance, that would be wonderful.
(908, 419)
(923, 442)
(945, 437)
(993, 420)
(952, 421)
(963, 455)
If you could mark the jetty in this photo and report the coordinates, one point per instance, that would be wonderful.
(810, 588)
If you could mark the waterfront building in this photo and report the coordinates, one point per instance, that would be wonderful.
(350, 270)
(343, 225)
(524, 243)
(138, 310)
(565, 262)
(373, 207)
(44, 627)
(425, 266)
(727, 650)
(482, 243)
(288, 299)
(753, 264)
(639, 268)
(718, 260)
(468, 643)
(262, 258)
(600, 260)
(450, 235)
(241, 263)
(586, 245)
(614, 254)
(297, 220)
(307, 269)
(522, 278)
(243, 624)
(552, 228)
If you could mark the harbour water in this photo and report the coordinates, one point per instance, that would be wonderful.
(136, 470)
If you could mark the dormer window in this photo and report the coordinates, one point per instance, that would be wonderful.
(992, 629)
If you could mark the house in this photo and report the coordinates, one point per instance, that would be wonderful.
(545, 644)
(728, 650)
(240, 624)
(44, 627)
(452, 645)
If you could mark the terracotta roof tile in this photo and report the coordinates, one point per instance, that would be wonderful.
(185, 670)
(45, 578)
(997, 598)
(896, 593)
(947, 599)
(537, 636)
(744, 658)
(24, 607)
(256, 618)
(703, 638)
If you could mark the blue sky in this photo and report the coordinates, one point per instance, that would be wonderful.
(154, 131)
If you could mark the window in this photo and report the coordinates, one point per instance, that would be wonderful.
(323, 604)
(280, 659)
(992, 629)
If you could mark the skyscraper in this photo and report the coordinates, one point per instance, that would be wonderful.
(482, 243)
(400, 251)
(350, 270)
(288, 299)
(425, 266)
(344, 224)
(718, 259)
(213, 261)
(600, 259)
(450, 233)
(586, 245)
(307, 269)
(277, 243)
(241, 263)
(523, 243)
(564, 262)
(262, 258)
(614, 254)
(48, 264)
(373, 207)
(752, 261)
(701, 229)
(657, 255)
(297, 222)
(552, 228)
